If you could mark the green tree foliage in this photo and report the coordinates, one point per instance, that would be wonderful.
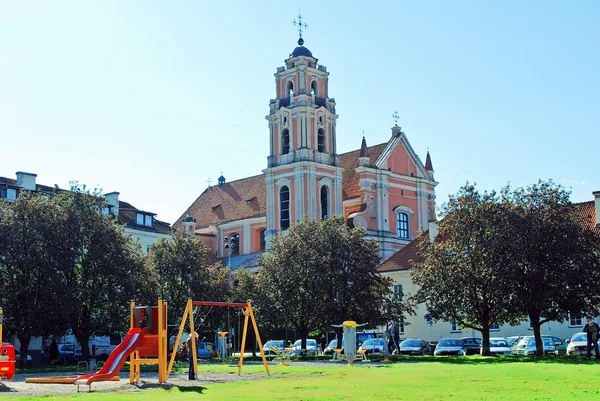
(32, 283)
(558, 267)
(319, 273)
(182, 272)
(104, 268)
(464, 276)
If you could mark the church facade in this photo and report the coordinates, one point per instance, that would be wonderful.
(384, 188)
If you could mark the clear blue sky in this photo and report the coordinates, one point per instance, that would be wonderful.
(153, 98)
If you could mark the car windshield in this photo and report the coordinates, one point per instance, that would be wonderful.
(273, 343)
(579, 337)
(309, 343)
(450, 343)
(373, 342)
(410, 343)
(498, 343)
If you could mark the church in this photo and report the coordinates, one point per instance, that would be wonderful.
(384, 188)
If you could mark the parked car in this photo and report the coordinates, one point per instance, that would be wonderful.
(332, 346)
(374, 346)
(18, 357)
(274, 347)
(472, 345)
(205, 350)
(578, 344)
(66, 353)
(312, 348)
(414, 346)
(555, 340)
(499, 346)
(527, 346)
(449, 346)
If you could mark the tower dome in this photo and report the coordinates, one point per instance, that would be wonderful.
(301, 50)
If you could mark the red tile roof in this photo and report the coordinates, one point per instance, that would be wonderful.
(349, 162)
(586, 213)
(401, 260)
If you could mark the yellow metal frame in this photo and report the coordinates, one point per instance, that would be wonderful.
(188, 314)
(135, 361)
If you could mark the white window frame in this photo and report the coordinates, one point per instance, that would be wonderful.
(573, 320)
(398, 292)
(454, 328)
(148, 220)
(401, 327)
(139, 219)
(403, 214)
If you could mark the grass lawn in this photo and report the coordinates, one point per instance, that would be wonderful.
(470, 379)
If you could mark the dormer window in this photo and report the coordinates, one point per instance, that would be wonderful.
(105, 211)
(140, 219)
(11, 194)
(144, 219)
(148, 221)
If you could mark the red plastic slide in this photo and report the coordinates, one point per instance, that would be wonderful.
(117, 358)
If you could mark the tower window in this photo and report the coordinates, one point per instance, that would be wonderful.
(324, 201)
(285, 142)
(290, 89)
(263, 239)
(402, 225)
(321, 140)
(284, 208)
(314, 89)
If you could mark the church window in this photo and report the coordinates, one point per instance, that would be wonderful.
(324, 201)
(402, 225)
(284, 208)
(290, 89)
(235, 244)
(314, 90)
(285, 142)
(321, 140)
(263, 239)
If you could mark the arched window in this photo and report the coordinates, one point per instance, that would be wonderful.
(235, 244)
(290, 89)
(263, 239)
(284, 208)
(285, 142)
(314, 89)
(321, 140)
(324, 201)
(402, 225)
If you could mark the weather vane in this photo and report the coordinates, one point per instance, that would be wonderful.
(301, 27)
(209, 182)
(396, 117)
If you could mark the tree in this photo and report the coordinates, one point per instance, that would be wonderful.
(103, 267)
(464, 275)
(182, 272)
(320, 273)
(32, 283)
(558, 267)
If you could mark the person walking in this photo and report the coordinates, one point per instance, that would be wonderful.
(323, 343)
(54, 353)
(592, 329)
(190, 355)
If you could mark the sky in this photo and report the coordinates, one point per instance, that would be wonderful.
(154, 98)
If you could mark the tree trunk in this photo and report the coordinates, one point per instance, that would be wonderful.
(537, 333)
(340, 336)
(84, 341)
(24, 340)
(303, 336)
(485, 337)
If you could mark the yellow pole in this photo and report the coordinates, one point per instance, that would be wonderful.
(260, 346)
(181, 327)
(159, 333)
(165, 340)
(246, 315)
(193, 337)
(132, 356)
(1, 319)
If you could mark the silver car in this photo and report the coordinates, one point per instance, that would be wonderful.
(499, 346)
(449, 346)
(578, 344)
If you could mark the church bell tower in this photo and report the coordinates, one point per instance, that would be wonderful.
(303, 177)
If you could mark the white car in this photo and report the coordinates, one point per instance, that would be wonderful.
(578, 344)
(499, 346)
(312, 348)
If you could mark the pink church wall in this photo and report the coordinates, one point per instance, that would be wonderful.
(400, 163)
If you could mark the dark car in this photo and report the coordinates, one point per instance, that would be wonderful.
(449, 346)
(66, 353)
(472, 345)
(374, 346)
(414, 346)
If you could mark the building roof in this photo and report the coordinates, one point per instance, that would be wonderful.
(401, 260)
(38, 187)
(586, 214)
(247, 197)
(301, 51)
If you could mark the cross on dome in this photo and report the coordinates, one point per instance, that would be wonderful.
(301, 27)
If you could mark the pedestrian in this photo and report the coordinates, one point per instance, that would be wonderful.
(592, 329)
(323, 343)
(190, 354)
(54, 354)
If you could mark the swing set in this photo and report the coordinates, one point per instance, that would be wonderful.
(188, 315)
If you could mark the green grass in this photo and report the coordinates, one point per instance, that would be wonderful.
(472, 379)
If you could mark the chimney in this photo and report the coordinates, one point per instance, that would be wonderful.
(433, 230)
(26, 180)
(112, 200)
(597, 204)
